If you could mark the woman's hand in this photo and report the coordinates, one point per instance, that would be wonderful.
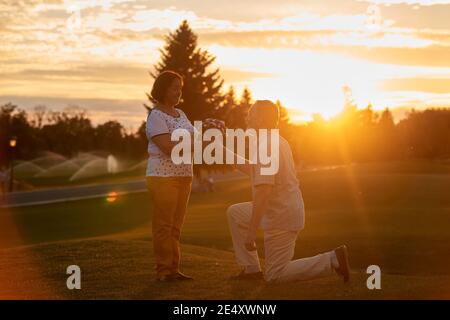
(214, 124)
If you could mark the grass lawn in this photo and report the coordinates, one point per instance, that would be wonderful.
(392, 215)
(35, 183)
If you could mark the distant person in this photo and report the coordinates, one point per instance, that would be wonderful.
(277, 208)
(169, 184)
(4, 181)
(210, 184)
(206, 182)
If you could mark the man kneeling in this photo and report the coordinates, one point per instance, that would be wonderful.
(278, 209)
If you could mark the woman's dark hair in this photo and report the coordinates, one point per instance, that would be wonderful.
(162, 84)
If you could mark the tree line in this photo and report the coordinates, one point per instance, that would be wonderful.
(355, 135)
(67, 132)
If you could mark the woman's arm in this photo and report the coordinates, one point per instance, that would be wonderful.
(164, 143)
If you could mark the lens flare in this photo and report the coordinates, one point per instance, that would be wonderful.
(112, 197)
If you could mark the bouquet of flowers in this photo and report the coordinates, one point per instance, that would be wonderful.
(211, 123)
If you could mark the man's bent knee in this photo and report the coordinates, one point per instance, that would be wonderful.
(231, 211)
(274, 274)
(271, 277)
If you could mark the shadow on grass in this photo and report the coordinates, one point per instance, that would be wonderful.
(82, 219)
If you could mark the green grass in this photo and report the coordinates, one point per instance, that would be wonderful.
(122, 269)
(64, 181)
(395, 216)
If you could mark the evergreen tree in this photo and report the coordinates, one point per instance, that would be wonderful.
(386, 120)
(367, 117)
(202, 88)
(284, 115)
(237, 116)
(246, 99)
(230, 102)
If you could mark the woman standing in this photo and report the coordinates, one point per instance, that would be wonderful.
(169, 184)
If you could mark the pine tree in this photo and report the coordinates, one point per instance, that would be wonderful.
(386, 120)
(366, 118)
(202, 88)
(284, 114)
(246, 99)
(387, 138)
(230, 102)
(237, 116)
(286, 127)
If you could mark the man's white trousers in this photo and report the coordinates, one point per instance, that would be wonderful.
(279, 248)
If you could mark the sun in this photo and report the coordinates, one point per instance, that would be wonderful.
(306, 81)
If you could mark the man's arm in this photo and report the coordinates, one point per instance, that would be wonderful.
(244, 168)
(260, 199)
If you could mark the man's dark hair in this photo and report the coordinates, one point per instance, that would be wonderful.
(268, 112)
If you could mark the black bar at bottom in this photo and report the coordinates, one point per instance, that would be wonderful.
(236, 309)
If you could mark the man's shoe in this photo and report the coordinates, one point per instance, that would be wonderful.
(181, 277)
(248, 276)
(165, 278)
(174, 277)
(344, 268)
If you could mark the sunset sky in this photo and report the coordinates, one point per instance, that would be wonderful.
(392, 53)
